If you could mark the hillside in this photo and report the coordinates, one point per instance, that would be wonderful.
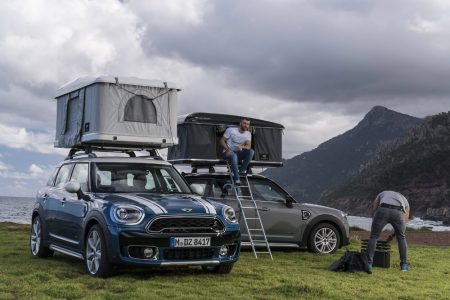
(417, 166)
(333, 162)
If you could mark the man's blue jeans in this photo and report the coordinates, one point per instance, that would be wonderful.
(384, 215)
(233, 157)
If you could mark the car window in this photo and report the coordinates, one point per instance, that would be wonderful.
(265, 190)
(222, 188)
(203, 183)
(63, 175)
(51, 180)
(138, 178)
(80, 174)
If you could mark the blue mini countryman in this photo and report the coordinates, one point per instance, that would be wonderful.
(111, 211)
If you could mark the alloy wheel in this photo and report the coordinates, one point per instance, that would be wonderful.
(325, 240)
(93, 252)
(35, 241)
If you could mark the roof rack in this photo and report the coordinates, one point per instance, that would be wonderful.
(88, 150)
(196, 163)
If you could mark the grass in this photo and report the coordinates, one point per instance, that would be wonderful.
(294, 274)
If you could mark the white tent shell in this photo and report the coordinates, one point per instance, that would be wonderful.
(116, 111)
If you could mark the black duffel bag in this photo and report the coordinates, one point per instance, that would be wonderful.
(351, 261)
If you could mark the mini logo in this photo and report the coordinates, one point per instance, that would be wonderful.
(186, 209)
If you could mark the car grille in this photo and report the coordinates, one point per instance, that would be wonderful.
(188, 254)
(185, 225)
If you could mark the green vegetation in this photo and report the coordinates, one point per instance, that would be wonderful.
(294, 274)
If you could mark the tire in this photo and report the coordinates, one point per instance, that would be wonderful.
(95, 254)
(324, 238)
(37, 241)
(220, 269)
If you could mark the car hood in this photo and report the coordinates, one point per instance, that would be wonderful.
(166, 204)
(322, 209)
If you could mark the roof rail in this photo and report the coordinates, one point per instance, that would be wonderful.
(210, 163)
(87, 150)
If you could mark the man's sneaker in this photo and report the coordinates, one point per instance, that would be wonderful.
(404, 267)
(237, 183)
(369, 265)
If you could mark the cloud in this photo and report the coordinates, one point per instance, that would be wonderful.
(315, 66)
(35, 172)
(21, 138)
(315, 51)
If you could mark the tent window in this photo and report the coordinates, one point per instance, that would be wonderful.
(140, 109)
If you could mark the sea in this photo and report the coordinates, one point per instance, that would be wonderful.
(18, 210)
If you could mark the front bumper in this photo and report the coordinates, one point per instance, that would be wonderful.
(125, 244)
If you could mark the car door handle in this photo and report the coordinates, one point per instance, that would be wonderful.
(63, 201)
(264, 209)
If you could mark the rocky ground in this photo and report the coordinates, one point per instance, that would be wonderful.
(430, 238)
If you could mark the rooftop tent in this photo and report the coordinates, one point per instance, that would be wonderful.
(199, 135)
(116, 111)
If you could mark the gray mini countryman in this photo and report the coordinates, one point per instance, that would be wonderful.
(287, 223)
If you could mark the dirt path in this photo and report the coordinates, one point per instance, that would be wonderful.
(430, 238)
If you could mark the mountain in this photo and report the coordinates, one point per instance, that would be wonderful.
(416, 165)
(307, 175)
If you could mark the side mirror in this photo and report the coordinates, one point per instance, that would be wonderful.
(197, 189)
(75, 187)
(289, 201)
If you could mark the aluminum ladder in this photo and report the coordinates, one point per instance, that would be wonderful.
(247, 204)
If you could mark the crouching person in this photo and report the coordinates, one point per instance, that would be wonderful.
(393, 208)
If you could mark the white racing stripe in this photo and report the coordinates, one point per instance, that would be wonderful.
(208, 206)
(150, 204)
(154, 203)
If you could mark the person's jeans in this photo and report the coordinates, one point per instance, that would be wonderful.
(384, 215)
(233, 157)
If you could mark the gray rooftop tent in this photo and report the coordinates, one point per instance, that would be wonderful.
(199, 135)
(116, 111)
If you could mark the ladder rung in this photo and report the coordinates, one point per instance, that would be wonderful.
(254, 229)
(252, 218)
(241, 186)
(245, 197)
(248, 207)
(259, 242)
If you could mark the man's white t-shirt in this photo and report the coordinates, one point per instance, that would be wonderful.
(234, 137)
(393, 198)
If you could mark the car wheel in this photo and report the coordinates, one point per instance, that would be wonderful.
(220, 269)
(95, 256)
(37, 241)
(324, 238)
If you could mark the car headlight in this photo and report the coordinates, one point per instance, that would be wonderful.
(229, 214)
(127, 214)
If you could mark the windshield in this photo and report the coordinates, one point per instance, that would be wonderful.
(138, 178)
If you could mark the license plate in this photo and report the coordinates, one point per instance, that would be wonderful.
(176, 242)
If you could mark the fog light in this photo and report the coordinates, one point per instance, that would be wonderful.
(223, 250)
(148, 252)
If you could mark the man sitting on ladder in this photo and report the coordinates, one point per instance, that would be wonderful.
(237, 146)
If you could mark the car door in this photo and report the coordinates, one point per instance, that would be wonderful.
(222, 191)
(45, 197)
(281, 223)
(73, 210)
(54, 201)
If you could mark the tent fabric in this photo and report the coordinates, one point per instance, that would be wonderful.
(199, 138)
(140, 109)
(105, 113)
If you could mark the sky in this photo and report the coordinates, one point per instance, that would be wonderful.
(317, 67)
